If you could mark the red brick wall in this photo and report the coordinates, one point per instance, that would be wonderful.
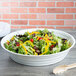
(58, 14)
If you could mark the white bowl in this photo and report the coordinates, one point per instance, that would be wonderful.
(39, 60)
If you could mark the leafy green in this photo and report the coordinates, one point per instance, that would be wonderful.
(39, 39)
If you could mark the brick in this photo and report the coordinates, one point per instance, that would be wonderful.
(64, 27)
(46, 16)
(28, 16)
(36, 22)
(7, 21)
(18, 10)
(75, 3)
(49, 27)
(46, 4)
(55, 22)
(19, 22)
(9, 4)
(4, 10)
(10, 16)
(5, 4)
(55, 10)
(64, 16)
(28, 4)
(70, 22)
(70, 10)
(75, 16)
(37, 10)
(65, 4)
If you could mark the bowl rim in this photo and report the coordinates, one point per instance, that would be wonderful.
(38, 55)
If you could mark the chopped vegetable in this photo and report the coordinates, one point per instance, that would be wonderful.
(40, 38)
(31, 40)
(39, 42)
(18, 45)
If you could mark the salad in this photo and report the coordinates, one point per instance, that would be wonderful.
(39, 42)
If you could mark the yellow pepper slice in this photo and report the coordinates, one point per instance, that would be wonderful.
(46, 49)
(12, 38)
(48, 40)
(24, 48)
(8, 41)
(46, 35)
(33, 51)
(52, 42)
(29, 42)
(38, 37)
(28, 32)
(34, 32)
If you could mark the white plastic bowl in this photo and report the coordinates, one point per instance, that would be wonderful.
(39, 60)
